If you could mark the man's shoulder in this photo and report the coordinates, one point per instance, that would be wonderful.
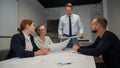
(75, 15)
(110, 34)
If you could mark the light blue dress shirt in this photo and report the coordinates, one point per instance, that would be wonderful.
(77, 27)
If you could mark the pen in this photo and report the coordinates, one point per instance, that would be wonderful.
(64, 63)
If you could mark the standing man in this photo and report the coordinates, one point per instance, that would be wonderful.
(70, 25)
(106, 44)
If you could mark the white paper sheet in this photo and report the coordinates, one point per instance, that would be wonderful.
(59, 46)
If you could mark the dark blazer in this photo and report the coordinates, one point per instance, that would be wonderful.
(108, 46)
(17, 47)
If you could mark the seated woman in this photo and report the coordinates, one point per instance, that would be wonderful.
(41, 40)
(22, 44)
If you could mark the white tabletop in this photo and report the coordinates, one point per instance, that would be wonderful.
(61, 59)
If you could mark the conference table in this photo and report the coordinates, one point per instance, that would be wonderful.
(57, 59)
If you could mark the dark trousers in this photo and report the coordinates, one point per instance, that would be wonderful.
(101, 65)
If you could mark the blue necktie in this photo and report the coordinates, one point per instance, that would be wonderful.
(70, 28)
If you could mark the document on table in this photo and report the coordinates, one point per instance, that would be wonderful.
(58, 46)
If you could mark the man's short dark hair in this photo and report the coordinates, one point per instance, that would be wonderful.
(69, 5)
(102, 21)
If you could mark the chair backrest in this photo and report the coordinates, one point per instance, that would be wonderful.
(3, 54)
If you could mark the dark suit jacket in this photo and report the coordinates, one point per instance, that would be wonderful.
(108, 46)
(17, 47)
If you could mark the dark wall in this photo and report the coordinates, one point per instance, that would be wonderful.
(52, 26)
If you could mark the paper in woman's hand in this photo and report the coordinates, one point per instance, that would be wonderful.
(58, 46)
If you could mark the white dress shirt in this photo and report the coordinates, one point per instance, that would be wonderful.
(77, 27)
(29, 46)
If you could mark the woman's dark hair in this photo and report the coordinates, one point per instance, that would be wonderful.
(37, 30)
(24, 23)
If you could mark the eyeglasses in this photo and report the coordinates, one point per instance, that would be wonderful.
(42, 29)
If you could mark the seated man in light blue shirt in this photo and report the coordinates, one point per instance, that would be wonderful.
(70, 25)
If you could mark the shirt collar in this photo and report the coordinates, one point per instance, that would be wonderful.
(26, 36)
(70, 15)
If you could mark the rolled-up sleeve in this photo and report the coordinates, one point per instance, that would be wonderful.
(60, 27)
(80, 25)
